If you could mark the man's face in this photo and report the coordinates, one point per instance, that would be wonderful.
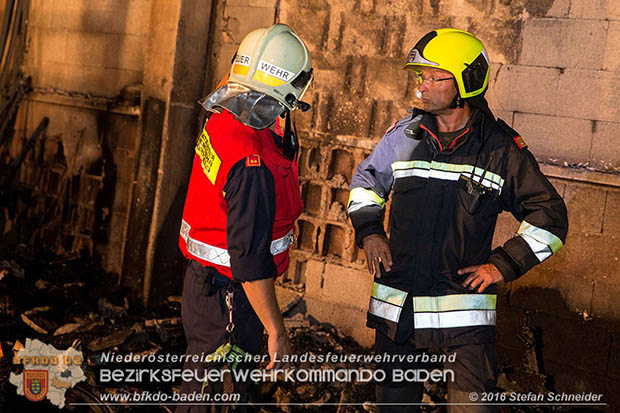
(437, 88)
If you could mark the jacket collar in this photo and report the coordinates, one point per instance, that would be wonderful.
(429, 125)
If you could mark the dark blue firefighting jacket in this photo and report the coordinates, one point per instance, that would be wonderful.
(445, 203)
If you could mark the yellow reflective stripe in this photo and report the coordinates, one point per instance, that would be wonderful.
(209, 160)
(402, 173)
(454, 302)
(365, 197)
(540, 249)
(467, 169)
(454, 319)
(449, 167)
(540, 235)
(389, 294)
(384, 310)
(489, 176)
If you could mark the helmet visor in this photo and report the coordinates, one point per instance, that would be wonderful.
(298, 83)
(250, 107)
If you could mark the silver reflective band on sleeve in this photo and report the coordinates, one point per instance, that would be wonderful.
(209, 253)
(542, 242)
(362, 197)
(281, 244)
(454, 319)
(384, 310)
(454, 302)
(219, 256)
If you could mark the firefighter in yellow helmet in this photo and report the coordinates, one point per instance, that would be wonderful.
(240, 210)
(451, 168)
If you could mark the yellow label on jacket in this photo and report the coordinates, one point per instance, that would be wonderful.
(210, 161)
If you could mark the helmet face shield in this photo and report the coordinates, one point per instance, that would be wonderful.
(473, 76)
(250, 107)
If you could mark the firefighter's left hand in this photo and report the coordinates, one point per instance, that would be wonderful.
(480, 275)
(279, 348)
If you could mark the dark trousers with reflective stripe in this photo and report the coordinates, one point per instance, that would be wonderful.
(475, 372)
(205, 317)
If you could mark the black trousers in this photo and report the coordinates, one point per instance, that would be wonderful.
(205, 317)
(474, 367)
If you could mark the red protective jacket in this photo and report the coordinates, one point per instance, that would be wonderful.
(223, 143)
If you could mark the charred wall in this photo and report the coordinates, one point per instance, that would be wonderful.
(87, 63)
(119, 81)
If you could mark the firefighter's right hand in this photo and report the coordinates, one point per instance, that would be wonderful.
(377, 251)
(279, 347)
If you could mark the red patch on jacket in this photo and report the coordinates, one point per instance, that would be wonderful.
(252, 160)
(520, 142)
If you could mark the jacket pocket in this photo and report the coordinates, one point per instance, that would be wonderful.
(479, 203)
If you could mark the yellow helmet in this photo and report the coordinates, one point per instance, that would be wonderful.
(458, 52)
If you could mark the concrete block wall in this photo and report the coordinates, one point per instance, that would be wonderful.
(554, 78)
(570, 297)
(93, 47)
(562, 86)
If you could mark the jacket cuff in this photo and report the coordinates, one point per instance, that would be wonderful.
(367, 221)
(368, 229)
(505, 264)
(253, 267)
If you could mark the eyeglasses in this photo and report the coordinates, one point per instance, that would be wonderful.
(431, 80)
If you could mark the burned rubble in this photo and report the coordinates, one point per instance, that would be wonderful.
(58, 307)
(70, 302)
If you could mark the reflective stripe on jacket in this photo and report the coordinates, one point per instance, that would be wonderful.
(223, 142)
(437, 225)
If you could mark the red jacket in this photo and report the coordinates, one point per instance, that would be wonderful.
(224, 142)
